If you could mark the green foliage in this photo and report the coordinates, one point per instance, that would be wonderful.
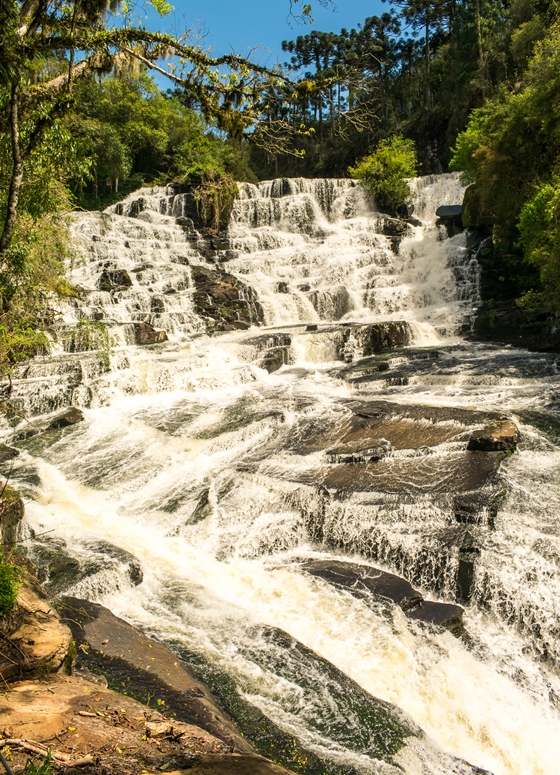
(45, 767)
(10, 581)
(30, 280)
(509, 153)
(214, 196)
(129, 132)
(384, 172)
(94, 335)
(539, 226)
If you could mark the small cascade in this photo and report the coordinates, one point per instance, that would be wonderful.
(312, 250)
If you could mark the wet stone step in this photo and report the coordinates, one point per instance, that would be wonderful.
(366, 582)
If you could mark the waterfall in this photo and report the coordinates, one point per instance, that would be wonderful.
(303, 391)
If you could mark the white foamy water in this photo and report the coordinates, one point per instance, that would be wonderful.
(208, 470)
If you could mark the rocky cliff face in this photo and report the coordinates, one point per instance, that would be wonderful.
(498, 317)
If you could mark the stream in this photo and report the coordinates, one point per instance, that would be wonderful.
(214, 468)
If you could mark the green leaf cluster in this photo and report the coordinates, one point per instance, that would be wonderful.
(510, 155)
(10, 582)
(385, 172)
(539, 227)
(30, 281)
(128, 132)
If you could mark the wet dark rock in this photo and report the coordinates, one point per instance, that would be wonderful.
(450, 216)
(503, 435)
(311, 327)
(219, 243)
(274, 351)
(136, 207)
(145, 333)
(143, 668)
(449, 211)
(132, 564)
(69, 416)
(304, 287)
(7, 453)
(226, 302)
(503, 279)
(377, 337)
(53, 564)
(274, 358)
(405, 210)
(186, 223)
(333, 303)
(366, 582)
(447, 615)
(11, 515)
(469, 508)
(366, 455)
(407, 475)
(142, 267)
(504, 321)
(468, 555)
(203, 508)
(281, 287)
(394, 227)
(409, 451)
(60, 571)
(363, 580)
(113, 279)
(157, 305)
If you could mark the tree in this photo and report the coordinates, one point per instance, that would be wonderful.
(77, 38)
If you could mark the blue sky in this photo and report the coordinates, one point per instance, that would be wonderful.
(242, 25)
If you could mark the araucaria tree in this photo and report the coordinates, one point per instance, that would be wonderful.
(47, 47)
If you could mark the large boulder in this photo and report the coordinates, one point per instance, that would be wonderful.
(144, 667)
(69, 416)
(450, 216)
(368, 583)
(7, 453)
(33, 637)
(114, 279)
(226, 302)
(500, 436)
(372, 338)
(145, 333)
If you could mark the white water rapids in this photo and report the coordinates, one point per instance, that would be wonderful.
(188, 459)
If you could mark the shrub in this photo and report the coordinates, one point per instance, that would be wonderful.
(10, 579)
(384, 172)
(539, 227)
(214, 196)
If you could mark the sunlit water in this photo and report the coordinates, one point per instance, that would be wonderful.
(189, 460)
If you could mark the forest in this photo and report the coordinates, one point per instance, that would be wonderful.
(472, 84)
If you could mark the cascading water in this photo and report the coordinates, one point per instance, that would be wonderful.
(223, 478)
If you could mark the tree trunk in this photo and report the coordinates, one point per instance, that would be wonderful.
(428, 90)
(481, 62)
(16, 178)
